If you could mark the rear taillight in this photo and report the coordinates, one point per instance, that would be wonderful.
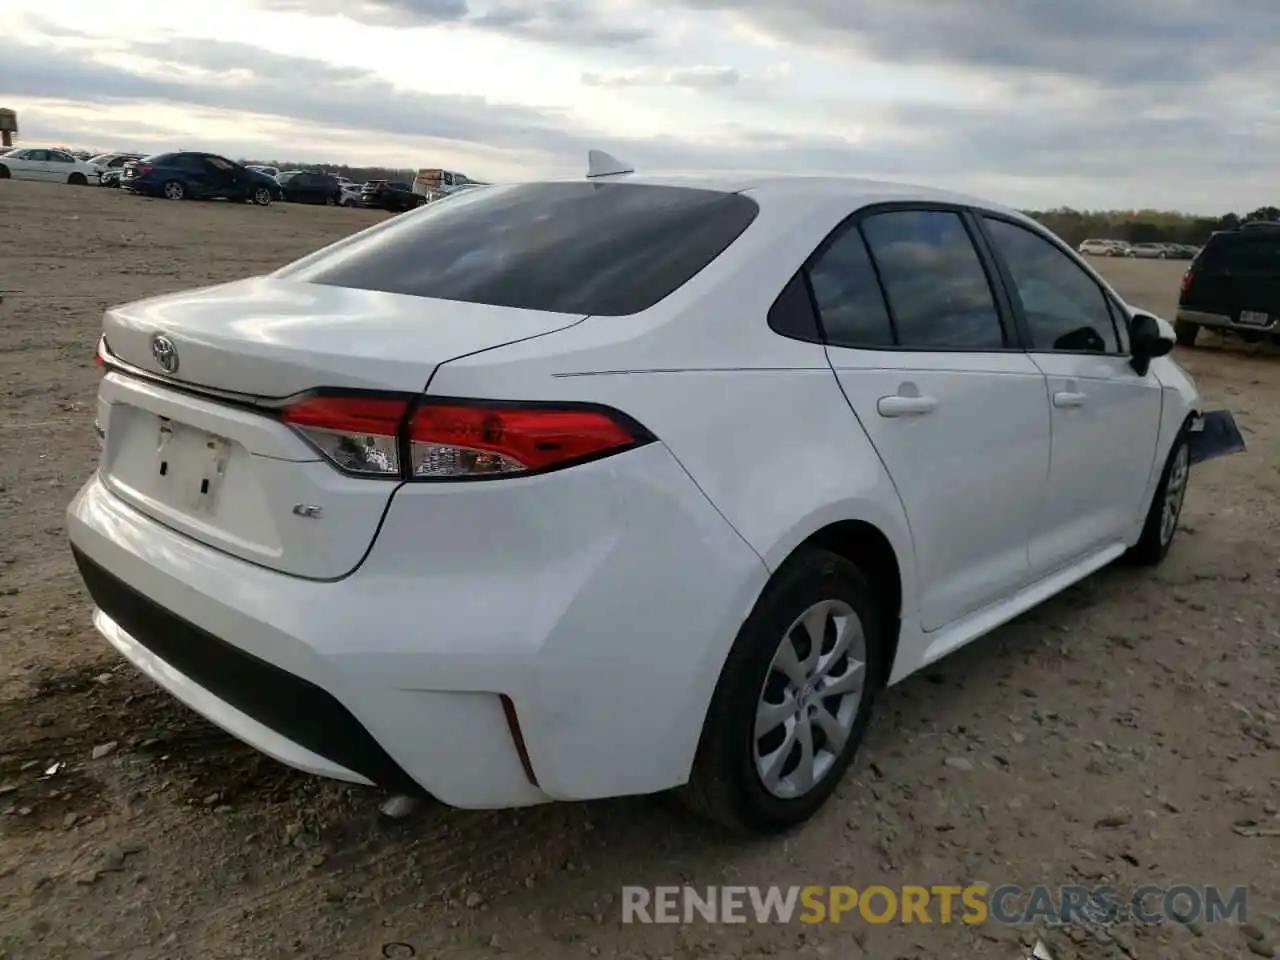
(429, 439)
(1186, 279)
(359, 434)
(100, 352)
(143, 170)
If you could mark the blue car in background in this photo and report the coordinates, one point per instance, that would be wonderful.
(198, 176)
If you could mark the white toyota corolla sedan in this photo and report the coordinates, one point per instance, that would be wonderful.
(577, 489)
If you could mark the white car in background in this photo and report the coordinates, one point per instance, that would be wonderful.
(111, 165)
(1103, 248)
(350, 192)
(576, 489)
(48, 164)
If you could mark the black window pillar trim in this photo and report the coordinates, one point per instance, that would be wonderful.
(1004, 279)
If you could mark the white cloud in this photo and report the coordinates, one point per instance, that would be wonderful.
(1092, 102)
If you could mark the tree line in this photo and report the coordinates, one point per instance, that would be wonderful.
(1142, 226)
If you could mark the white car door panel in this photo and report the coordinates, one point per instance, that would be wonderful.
(1105, 423)
(960, 422)
(1106, 418)
(21, 167)
(966, 442)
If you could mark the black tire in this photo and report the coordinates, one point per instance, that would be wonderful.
(4, 172)
(1153, 546)
(1186, 333)
(78, 180)
(725, 786)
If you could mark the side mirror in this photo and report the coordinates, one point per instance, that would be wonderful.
(1149, 337)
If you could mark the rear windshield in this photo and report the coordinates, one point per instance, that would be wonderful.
(1244, 253)
(608, 249)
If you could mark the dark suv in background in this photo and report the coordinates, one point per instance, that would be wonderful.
(197, 176)
(390, 195)
(310, 186)
(1233, 285)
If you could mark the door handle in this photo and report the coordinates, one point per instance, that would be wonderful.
(900, 406)
(1068, 398)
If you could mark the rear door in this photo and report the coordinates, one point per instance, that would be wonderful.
(37, 165)
(957, 412)
(1237, 275)
(1106, 417)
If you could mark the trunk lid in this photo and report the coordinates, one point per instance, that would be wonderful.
(238, 479)
(272, 338)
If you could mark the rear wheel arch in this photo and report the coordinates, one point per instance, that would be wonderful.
(867, 547)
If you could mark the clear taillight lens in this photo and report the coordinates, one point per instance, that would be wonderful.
(358, 434)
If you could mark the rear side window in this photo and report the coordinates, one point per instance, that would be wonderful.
(848, 295)
(609, 249)
(937, 289)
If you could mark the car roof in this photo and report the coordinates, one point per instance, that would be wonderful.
(858, 191)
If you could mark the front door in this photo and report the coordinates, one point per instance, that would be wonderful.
(222, 178)
(955, 411)
(1106, 418)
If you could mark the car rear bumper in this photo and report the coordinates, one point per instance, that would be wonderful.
(1225, 321)
(600, 608)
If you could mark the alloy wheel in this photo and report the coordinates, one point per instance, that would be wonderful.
(1174, 493)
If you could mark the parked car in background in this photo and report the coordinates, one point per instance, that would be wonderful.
(1182, 251)
(310, 186)
(390, 195)
(1149, 251)
(48, 164)
(1233, 285)
(111, 165)
(1103, 248)
(269, 171)
(351, 194)
(198, 176)
(463, 556)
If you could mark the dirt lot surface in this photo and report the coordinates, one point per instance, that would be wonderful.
(1127, 732)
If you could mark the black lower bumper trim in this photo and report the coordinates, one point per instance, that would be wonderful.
(291, 706)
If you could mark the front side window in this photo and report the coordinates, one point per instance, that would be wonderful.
(40, 156)
(1064, 307)
(57, 156)
(610, 249)
(938, 292)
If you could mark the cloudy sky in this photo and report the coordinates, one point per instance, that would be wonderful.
(1088, 103)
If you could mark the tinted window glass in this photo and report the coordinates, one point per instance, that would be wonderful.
(585, 248)
(1243, 254)
(1064, 307)
(40, 155)
(848, 295)
(935, 283)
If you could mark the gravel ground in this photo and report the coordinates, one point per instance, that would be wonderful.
(1126, 732)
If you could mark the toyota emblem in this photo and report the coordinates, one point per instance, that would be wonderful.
(165, 353)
